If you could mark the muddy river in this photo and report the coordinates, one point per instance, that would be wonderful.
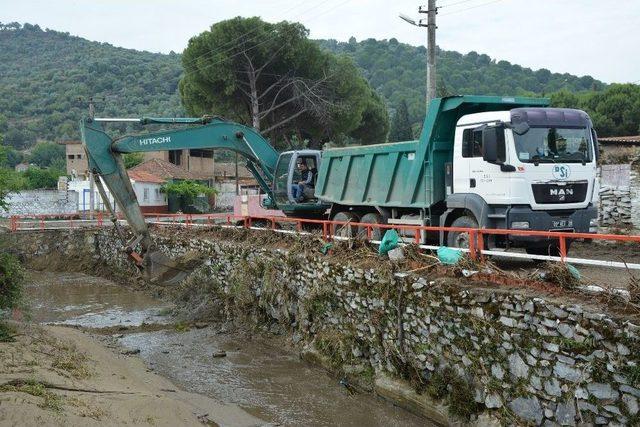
(256, 373)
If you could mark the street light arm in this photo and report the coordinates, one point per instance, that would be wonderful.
(407, 19)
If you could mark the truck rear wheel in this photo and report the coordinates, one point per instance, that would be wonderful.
(344, 230)
(460, 239)
(371, 218)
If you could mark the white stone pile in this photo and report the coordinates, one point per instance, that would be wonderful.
(615, 207)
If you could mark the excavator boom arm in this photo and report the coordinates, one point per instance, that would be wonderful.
(105, 160)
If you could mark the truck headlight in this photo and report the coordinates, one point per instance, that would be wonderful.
(520, 225)
(593, 225)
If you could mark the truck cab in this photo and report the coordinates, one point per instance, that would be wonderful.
(527, 168)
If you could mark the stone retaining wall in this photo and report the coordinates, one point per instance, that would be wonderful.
(619, 199)
(41, 202)
(486, 353)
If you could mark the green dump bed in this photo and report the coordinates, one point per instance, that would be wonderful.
(405, 174)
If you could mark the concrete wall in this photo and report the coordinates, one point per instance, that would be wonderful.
(39, 202)
(485, 353)
(227, 194)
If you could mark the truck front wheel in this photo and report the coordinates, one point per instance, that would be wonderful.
(460, 239)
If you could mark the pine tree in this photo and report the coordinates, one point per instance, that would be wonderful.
(401, 125)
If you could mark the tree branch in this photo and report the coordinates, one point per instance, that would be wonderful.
(288, 119)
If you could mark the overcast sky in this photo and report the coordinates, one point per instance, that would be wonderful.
(596, 37)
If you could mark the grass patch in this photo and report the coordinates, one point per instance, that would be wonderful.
(633, 374)
(7, 332)
(573, 346)
(50, 401)
(456, 391)
(70, 360)
(181, 327)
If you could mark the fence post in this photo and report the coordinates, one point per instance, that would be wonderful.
(417, 236)
(472, 244)
(42, 222)
(480, 244)
(563, 248)
(14, 223)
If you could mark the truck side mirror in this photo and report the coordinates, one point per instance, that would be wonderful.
(493, 145)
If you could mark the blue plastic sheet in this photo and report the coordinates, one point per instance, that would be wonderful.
(389, 241)
(449, 256)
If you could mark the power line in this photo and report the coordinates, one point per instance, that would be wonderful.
(469, 8)
(454, 3)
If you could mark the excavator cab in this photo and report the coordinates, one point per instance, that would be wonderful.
(287, 175)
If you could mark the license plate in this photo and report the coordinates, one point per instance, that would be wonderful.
(562, 223)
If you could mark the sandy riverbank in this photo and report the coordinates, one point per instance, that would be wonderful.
(55, 375)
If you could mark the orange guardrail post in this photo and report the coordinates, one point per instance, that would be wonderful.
(472, 244)
(480, 244)
(563, 247)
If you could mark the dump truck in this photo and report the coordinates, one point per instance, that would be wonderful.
(480, 161)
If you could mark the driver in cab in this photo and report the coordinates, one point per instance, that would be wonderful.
(306, 181)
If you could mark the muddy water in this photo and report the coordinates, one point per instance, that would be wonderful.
(256, 374)
(82, 300)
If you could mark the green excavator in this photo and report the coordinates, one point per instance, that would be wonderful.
(274, 172)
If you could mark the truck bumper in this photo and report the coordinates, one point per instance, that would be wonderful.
(575, 220)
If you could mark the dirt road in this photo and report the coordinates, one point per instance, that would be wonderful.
(54, 375)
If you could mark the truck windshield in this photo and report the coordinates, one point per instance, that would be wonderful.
(554, 145)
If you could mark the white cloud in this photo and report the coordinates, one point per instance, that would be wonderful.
(598, 38)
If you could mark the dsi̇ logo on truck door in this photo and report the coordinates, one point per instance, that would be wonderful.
(561, 172)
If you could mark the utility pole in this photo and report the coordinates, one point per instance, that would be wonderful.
(92, 190)
(431, 12)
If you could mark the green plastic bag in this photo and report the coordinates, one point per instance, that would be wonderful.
(389, 241)
(449, 256)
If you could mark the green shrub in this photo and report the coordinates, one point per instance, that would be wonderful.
(11, 285)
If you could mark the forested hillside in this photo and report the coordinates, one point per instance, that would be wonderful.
(397, 71)
(46, 78)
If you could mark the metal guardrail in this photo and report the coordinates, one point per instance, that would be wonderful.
(476, 248)
(476, 240)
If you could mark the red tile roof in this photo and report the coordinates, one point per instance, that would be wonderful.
(142, 176)
(631, 140)
(165, 170)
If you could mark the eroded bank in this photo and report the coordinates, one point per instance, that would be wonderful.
(442, 347)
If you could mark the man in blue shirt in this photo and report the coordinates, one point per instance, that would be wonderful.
(306, 180)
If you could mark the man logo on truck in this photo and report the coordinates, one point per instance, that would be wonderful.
(561, 193)
(561, 171)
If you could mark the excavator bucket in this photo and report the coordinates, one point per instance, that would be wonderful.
(161, 269)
